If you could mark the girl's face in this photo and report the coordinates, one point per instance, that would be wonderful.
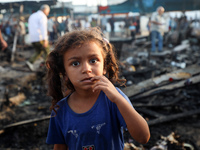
(83, 63)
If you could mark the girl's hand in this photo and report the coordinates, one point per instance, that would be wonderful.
(102, 83)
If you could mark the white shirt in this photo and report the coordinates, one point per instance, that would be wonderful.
(157, 18)
(104, 21)
(37, 25)
(87, 24)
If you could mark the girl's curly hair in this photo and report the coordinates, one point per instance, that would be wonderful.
(58, 87)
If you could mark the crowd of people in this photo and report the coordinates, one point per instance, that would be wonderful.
(51, 28)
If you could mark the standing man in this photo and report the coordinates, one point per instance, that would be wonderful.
(103, 23)
(112, 25)
(127, 21)
(22, 31)
(37, 24)
(157, 29)
(51, 27)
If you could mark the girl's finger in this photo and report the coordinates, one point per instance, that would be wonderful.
(100, 84)
(101, 78)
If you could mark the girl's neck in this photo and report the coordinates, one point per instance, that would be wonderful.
(81, 102)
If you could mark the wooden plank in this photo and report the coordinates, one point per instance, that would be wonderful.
(171, 76)
(172, 117)
(181, 47)
(27, 122)
(163, 53)
(149, 84)
(180, 84)
(149, 112)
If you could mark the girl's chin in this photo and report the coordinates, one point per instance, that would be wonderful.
(88, 88)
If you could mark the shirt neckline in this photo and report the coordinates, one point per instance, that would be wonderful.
(85, 113)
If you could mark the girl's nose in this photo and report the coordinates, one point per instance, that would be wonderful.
(86, 68)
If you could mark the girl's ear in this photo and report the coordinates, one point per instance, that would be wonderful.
(104, 71)
(66, 77)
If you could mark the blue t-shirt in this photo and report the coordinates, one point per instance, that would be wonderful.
(100, 128)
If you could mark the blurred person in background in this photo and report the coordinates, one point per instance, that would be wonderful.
(104, 23)
(87, 24)
(137, 20)
(157, 29)
(22, 30)
(38, 33)
(127, 25)
(3, 43)
(112, 25)
(4, 48)
(93, 22)
(8, 30)
(66, 24)
(51, 30)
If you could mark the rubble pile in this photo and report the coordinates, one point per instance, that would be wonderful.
(163, 87)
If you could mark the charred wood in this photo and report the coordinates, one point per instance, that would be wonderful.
(163, 119)
(166, 88)
(26, 122)
(164, 104)
(150, 83)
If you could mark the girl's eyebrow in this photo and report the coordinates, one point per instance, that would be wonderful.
(71, 58)
(92, 55)
(76, 57)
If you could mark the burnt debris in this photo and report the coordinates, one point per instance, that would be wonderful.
(163, 87)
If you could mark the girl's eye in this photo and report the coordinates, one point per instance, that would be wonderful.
(76, 63)
(93, 61)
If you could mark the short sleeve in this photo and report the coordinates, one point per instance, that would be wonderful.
(55, 135)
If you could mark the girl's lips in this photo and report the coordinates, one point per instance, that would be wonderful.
(87, 80)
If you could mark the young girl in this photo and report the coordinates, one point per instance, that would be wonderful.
(89, 113)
